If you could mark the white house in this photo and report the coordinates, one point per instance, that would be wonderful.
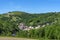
(26, 29)
(37, 27)
(30, 27)
(43, 25)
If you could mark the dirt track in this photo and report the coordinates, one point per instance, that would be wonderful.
(12, 38)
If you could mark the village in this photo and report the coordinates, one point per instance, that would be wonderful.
(22, 26)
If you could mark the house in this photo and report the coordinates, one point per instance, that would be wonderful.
(22, 26)
(43, 25)
(26, 29)
(37, 27)
(30, 27)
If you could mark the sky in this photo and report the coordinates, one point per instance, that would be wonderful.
(30, 6)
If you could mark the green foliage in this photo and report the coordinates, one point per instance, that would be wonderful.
(9, 24)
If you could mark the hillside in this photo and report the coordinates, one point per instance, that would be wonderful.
(9, 23)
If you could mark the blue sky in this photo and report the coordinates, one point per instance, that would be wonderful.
(30, 6)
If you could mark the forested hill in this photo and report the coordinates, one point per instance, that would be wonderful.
(29, 19)
(10, 21)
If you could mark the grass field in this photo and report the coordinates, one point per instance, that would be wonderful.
(14, 38)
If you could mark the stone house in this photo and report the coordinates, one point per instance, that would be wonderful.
(22, 26)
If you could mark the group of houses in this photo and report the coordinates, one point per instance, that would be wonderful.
(22, 26)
